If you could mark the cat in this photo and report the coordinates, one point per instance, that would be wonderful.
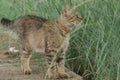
(43, 35)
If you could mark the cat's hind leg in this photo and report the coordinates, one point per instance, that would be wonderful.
(25, 57)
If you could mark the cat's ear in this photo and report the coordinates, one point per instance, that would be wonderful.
(73, 9)
(65, 10)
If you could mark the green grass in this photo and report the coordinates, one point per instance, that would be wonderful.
(94, 50)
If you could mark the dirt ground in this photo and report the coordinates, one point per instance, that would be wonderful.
(10, 69)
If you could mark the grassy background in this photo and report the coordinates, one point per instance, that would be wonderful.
(94, 50)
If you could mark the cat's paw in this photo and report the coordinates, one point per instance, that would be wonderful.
(52, 76)
(63, 75)
(27, 71)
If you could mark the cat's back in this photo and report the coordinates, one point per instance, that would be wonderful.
(26, 18)
(29, 21)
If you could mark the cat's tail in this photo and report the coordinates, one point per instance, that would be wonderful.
(7, 23)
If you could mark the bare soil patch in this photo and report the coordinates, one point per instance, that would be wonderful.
(10, 69)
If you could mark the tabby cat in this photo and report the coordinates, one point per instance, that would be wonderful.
(43, 35)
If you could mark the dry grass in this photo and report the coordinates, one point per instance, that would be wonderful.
(7, 39)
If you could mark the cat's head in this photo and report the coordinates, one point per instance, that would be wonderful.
(71, 16)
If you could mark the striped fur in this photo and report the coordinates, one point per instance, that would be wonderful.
(42, 35)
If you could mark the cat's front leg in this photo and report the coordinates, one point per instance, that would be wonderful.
(51, 61)
(61, 67)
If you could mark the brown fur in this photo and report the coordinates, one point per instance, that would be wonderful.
(39, 34)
